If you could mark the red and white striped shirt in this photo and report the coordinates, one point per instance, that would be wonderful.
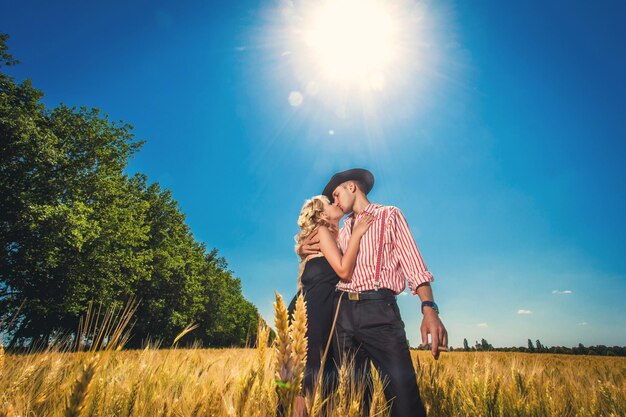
(400, 259)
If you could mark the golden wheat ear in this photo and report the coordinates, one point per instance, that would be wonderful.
(1, 359)
(290, 350)
(80, 391)
(299, 342)
(191, 327)
(262, 337)
(282, 347)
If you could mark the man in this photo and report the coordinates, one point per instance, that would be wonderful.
(368, 324)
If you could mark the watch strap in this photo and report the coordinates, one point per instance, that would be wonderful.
(430, 304)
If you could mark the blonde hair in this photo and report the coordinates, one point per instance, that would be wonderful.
(311, 217)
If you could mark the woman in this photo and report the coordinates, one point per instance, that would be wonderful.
(319, 276)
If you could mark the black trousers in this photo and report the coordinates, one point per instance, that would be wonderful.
(373, 330)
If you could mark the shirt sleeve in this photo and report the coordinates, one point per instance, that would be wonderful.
(411, 263)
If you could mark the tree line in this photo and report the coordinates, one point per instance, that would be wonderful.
(75, 228)
(538, 347)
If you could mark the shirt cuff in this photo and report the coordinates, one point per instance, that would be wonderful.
(421, 278)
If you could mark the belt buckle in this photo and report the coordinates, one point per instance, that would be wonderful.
(353, 296)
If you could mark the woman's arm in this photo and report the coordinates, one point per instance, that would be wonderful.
(343, 265)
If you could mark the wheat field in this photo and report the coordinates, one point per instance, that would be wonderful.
(241, 382)
(252, 382)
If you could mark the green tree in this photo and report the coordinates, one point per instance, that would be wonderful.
(74, 228)
(484, 345)
(187, 283)
(539, 346)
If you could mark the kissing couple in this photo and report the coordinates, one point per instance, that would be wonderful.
(350, 278)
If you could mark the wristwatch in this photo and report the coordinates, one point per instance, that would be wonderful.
(430, 304)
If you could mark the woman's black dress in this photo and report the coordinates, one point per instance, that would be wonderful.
(318, 286)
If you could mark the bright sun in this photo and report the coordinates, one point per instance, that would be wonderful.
(351, 40)
(351, 55)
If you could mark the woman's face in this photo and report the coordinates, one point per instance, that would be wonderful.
(332, 212)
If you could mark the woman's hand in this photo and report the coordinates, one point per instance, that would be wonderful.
(310, 245)
(361, 225)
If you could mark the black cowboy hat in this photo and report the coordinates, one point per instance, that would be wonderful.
(357, 174)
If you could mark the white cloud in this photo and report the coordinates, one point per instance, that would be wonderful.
(404, 293)
(561, 292)
(482, 325)
(524, 311)
(583, 323)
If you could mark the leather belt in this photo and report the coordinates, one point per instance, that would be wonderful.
(381, 294)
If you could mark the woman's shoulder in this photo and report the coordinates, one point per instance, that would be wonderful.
(324, 230)
(321, 228)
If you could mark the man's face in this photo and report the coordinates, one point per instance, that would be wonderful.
(344, 199)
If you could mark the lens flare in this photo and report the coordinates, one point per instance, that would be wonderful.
(359, 67)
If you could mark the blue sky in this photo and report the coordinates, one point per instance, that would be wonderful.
(500, 135)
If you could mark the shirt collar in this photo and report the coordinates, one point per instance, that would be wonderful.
(368, 209)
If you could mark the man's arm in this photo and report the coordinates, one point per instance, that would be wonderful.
(419, 278)
(407, 254)
(431, 323)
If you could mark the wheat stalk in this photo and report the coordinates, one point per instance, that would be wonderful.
(1, 359)
(378, 405)
(80, 392)
(355, 409)
(282, 346)
(290, 348)
(342, 390)
(282, 350)
(191, 327)
(263, 334)
(22, 378)
(46, 388)
(299, 343)
(132, 400)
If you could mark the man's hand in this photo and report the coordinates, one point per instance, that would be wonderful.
(364, 223)
(438, 333)
(310, 246)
